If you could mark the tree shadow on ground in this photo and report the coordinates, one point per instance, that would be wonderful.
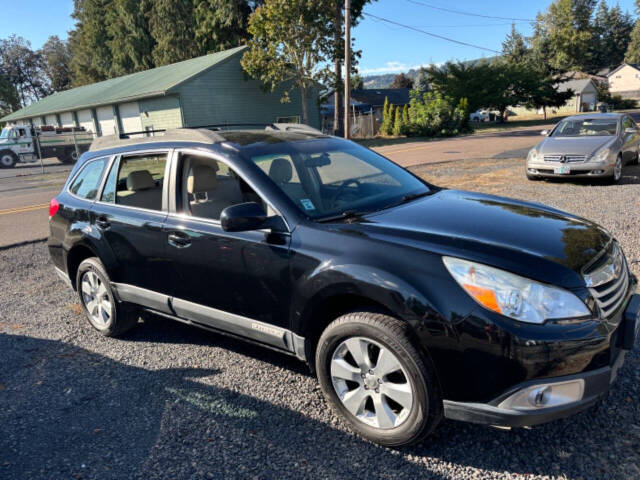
(67, 412)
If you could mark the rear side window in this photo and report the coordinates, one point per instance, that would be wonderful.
(137, 181)
(86, 184)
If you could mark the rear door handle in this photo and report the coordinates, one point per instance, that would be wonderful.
(103, 223)
(179, 240)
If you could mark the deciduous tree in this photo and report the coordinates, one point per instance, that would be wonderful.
(24, 69)
(290, 47)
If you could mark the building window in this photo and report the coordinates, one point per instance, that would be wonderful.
(289, 119)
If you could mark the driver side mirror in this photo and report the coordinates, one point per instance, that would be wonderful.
(249, 216)
(544, 133)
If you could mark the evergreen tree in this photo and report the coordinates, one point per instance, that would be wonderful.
(89, 42)
(401, 81)
(222, 24)
(171, 26)
(57, 60)
(397, 122)
(514, 47)
(565, 33)
(130, 41)
(405, 116)
(632, 54)
(611, 34)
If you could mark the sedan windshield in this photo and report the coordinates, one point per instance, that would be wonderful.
(329, 177)
(586, 127)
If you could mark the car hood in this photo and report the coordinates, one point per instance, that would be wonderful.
(530, 239)
(573, 145)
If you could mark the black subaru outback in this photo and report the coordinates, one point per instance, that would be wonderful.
(410, 302)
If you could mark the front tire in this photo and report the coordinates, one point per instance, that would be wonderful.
(8, 159)
(374, 375)
(617, 171)
(108, 316)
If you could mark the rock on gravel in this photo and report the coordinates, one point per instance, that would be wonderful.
(170, 402)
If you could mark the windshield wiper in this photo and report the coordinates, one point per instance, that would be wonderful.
(341, 216)
(410, 197)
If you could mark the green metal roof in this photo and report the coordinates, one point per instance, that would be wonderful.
(150, 83)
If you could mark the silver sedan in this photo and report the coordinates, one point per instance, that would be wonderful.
(589, 145)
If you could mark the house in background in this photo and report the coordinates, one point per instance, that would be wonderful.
(364, 102)
(207, 90)
(584, 99)
(625, 81)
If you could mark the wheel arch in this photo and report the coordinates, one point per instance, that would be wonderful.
(75, 256)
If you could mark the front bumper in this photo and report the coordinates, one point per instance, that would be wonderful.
(577, 170)
(595, 385)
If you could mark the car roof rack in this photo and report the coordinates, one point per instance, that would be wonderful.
(200, 134)
(294, 127)
(173, 135)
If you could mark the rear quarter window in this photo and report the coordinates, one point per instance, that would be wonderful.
(87, 182)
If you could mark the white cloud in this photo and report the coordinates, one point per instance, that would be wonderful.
(391, 67)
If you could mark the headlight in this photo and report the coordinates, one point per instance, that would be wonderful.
(532, 156)
(602, 155)
(514, 296)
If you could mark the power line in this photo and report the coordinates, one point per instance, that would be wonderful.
(469, 14)
(467, 26)
(429, 33)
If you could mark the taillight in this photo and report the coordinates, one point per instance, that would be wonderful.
(54, 206)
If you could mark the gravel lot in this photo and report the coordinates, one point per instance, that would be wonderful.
(169, 401)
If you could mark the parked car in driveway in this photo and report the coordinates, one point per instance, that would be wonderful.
(410, 302)
(480, 115)
(591, 146)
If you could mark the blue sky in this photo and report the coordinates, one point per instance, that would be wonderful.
(385, 48)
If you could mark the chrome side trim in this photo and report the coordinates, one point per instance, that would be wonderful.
(64, 277)
(237, 324)
(142, 296)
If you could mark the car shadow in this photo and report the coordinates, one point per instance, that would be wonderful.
(66, 412)
(158, 329)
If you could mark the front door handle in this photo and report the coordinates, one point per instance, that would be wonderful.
(179, 240)
(103, 222)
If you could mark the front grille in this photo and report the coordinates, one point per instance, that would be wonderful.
(608, 280)
(565, 158)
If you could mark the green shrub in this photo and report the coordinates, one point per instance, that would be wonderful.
(398, 125)
(432, 114)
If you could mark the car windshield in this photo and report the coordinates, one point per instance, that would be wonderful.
(5, 132)
(329, 177)
(586, 127)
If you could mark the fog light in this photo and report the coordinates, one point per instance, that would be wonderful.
(596, 172)
(533, 170)
(545, 395)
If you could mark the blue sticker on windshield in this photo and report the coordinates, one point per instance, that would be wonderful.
(307, 204)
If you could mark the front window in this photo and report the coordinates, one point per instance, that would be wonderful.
(586, 127)
(6, 132)
(329, 177)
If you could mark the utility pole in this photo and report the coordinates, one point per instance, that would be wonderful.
(338, 113)
(347, 67)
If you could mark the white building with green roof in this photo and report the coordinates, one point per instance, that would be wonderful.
(208, 90)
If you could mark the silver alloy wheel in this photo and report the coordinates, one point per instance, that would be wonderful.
(96, 299)
(617, 169)
(371, 382)
(6, 160)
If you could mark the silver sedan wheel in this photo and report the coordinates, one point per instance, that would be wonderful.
(617, 169)
(96, 299)
(371, 383)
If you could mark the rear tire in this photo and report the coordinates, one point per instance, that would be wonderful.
(399, 407)
(69, 156)
(8, 159)
(108, 316)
